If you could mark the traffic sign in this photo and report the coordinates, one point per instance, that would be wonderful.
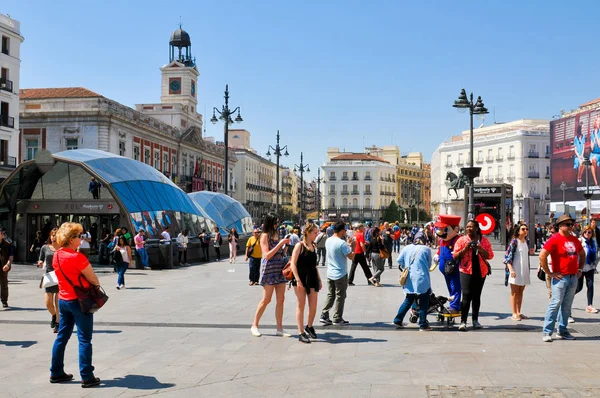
(486, 223)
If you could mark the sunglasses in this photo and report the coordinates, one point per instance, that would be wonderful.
(524, 229)
(587, 232)
(570, 224)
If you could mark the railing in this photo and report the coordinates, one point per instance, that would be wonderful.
(489, 159)
(332, 178)
(489, 178)
(510, 156)
(345, 178)
(460, 162)
(367, 193)
(479, 160)
(382, 192)
(499, 177)
(511, 176)
(354, 178)
(533, 174)
(533, 154)
(547, 196)
(499, 158)
(547, 155)
(345, 192)
(368, 178)
(6, 85)
(547, 176)
(448, 163)
(7, 121)
(332, 193)
(534, 195)
(355, 193)
(11, 162)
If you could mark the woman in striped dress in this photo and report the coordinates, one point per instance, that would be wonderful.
(271, 277)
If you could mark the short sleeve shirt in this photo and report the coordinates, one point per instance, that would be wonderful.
(256, 251)
(68, 263)
(336, 252)
(139, 241)
(360, 238)
(564, 251)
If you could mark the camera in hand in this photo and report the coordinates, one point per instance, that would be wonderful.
(474, 244)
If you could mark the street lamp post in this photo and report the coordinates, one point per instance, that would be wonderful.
(417, 188)
(563, 187)
(587, 195)
(470, 172)
(277, 152)
(519, 200)
(225, 114)
(302, 168)
(319, 180)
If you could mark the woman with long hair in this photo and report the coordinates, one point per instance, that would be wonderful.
(378, 263)
(51, 296)
(233, 242)
(517, 262)
(588, 241)
(472, 250)
(70, 264)
(271, 276)
(125, 251)
(306, 282)
(217, 243)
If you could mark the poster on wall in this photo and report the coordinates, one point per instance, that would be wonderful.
(573, 140)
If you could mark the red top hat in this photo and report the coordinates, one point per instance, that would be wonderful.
(446, 220)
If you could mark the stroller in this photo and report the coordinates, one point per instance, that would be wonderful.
(436, 306)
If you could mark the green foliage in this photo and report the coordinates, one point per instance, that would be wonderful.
(392, 213)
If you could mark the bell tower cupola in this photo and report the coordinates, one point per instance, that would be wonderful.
(180, 48)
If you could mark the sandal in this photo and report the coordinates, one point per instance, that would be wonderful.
(523, 316)
(515, 318)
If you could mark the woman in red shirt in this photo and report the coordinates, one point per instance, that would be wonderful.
(75, 266)
(472, 250)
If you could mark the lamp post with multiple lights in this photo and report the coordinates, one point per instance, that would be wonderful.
(302, 168)
(470, 172)
(225, 114)
(277, 151)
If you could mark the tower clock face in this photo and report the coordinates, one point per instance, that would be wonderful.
(194, 88)
(175, 86)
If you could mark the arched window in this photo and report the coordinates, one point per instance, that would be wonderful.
(367, 202)
(345, 202)
(355, 203)
(332, 202)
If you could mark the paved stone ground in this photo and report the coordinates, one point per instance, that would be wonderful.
(185, 332)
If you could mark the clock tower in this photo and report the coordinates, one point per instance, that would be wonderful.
(180, 75)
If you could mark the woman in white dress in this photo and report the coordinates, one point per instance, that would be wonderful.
(517, 262)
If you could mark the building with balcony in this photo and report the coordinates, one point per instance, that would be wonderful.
(289, 191)
(256, 181)
(59, 119)
(507, 153)
(358, 186)
(10, 65)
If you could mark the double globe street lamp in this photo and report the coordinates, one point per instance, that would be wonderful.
(225, 114)
(302, 168)
(277, 152)
(470, 172)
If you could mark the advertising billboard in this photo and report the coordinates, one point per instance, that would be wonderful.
(574, 139)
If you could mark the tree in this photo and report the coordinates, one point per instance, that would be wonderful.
(391, 213)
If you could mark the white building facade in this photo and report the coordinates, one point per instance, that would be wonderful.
(358, 187)
(515, 153)
(256, 182)
(10, 65)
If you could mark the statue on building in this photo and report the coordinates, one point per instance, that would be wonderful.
(455, 182)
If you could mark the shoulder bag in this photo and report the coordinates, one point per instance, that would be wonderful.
(49, 280)
(250, 249)
(287, 272)
(91, 299)
(383, 252)
(404, 274)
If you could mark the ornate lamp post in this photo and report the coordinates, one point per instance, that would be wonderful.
(417, 190)
(563, 187)
(225, 114)
(319, 180)
(587, 195)
(519, 200)
(302, 168)
(470, 172)
(277, 152)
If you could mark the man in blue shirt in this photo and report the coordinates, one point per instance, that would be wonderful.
(337, 252)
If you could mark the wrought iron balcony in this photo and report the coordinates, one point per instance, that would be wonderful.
(533, 174)
(354, 178)
(489, 178)
(511, 176)
(355, 192)
(448, 163)
(510, 156)
(367, 193)
(499, 157)
(489, 159)
(533, 154)
(345, 178)
(499, 177)
(547, 155)
(332, 178)
(6, 85)
(9, 162)
(345, 192)
(368, 178)
(7, 121)
(460, 162)
(479, 160)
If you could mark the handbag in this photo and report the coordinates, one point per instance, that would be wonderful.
(287, 272)
(91, 299)
(49, 279)
(541, 274)
(404, 274)
(383, 253)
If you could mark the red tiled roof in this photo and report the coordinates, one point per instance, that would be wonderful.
(358, 156)
(66, 92)
(590, 103)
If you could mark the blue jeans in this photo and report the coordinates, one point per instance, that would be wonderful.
(121, 268)
(143, 256)
(396, 245)
(563, 291)
(408, 302)
(70, 315)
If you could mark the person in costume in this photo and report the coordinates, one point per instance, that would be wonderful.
(447, 230)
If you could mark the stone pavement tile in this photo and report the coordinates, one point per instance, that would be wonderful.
(451, 378)
(584, 381)
(329, 389)
(529, 379)
(376, 377)
(403, 391)
(578, 369)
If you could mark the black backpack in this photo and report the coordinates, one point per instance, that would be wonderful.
(116, 257)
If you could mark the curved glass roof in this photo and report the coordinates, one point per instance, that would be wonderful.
(141, 187)
(224, 210)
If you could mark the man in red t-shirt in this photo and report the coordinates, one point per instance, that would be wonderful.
(360, 251)
(568, 259)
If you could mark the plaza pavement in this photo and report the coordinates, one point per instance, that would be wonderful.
(185, 333)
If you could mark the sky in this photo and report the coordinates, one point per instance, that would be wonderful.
(329, 73)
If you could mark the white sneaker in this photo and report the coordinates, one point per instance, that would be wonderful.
(463, 327)
(283, 333)
(255, 332)
(547, 338)
(571, 320)
(122, 287)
